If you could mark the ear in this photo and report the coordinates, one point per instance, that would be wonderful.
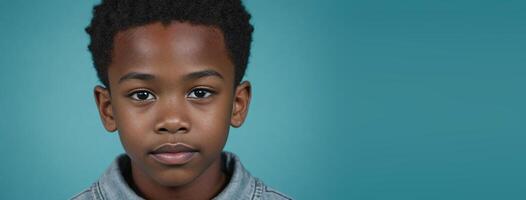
(103, 99)
(242, 96)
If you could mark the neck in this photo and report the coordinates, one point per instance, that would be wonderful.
(205, 186)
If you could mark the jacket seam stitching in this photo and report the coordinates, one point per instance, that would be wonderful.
(254, 193)
(275, 192)
(99, 190)
(94, 192)
(80, 194)
(257, 190)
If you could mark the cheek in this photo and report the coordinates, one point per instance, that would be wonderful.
(212, 124)
(130, 117)
(133, 125)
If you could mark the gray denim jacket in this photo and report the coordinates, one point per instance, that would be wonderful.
(242, 185)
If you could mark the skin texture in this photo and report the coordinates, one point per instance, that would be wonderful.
(160, 102)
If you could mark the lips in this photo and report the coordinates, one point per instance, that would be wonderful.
(174, 154)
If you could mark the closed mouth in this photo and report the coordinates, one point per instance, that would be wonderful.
(173, 154)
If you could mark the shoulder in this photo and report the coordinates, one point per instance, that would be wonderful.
(268, 193)
(87, 194)
(243, 185)
(84, 195)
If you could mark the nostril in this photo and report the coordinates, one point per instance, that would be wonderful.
(183, 129)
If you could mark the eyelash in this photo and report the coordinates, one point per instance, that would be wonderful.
(209, 93)
(134, 93)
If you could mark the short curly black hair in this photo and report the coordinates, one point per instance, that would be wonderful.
(112, 16)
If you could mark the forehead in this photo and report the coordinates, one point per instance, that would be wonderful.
(170, 50)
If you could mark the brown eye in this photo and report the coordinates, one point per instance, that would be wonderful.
(200, 93)
(142, 95)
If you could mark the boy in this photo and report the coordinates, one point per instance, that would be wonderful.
(172, 72)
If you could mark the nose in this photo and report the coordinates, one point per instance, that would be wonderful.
(172, 119)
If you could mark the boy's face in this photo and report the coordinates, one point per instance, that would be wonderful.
(172, 84)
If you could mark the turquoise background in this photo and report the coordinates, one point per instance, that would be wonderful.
(352, 100)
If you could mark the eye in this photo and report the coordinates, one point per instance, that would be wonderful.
(200, 93)
(141, 95)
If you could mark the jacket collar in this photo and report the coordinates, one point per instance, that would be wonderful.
(112, 184)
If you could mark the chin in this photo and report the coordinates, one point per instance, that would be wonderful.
(175, 178)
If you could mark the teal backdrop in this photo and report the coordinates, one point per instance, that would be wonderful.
(352, 100)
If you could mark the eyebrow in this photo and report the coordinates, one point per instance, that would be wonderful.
(188, 77)
(136, 75)
(201, 74)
